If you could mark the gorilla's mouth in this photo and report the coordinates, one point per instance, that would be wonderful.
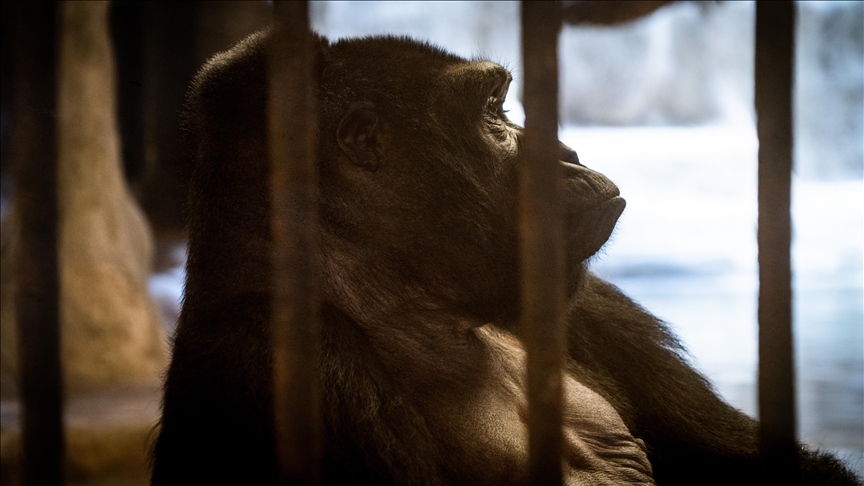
(614, 204)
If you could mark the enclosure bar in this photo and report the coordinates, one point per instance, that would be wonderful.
(540, 237)
(34, 158)
(292, 129)
(775, 35)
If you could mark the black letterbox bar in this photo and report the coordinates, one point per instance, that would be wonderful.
(775, 35)
(292, 118)
(540, 238)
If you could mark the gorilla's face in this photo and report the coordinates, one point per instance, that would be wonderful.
(431, 185)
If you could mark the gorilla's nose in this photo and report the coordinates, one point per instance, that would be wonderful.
(567, 154)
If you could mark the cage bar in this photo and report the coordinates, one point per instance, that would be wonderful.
(292, 131)
(541, 234)
(775, 50)
(34, 158)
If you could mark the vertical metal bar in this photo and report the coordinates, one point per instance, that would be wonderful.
(34, 156)
(775, 35)
(127, 34)
(292, 112)
(168, 57)
(541, 244)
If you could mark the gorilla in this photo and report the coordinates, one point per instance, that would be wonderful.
(422, 367)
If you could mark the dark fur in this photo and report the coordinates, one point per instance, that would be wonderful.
(216, 426)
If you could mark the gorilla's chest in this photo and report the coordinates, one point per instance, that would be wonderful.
(490, 428)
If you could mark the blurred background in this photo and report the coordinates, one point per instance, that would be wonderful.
(662, 105)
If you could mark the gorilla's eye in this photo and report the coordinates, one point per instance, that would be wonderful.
(495, 106)
(495, 117)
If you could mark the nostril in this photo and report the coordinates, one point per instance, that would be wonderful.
(568, 155)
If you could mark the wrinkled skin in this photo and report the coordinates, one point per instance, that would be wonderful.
(422, 366)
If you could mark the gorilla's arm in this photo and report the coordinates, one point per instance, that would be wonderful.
(693, 436)
(215, 426)
(660, 397)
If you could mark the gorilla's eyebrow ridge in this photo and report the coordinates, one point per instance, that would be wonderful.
(483, 78)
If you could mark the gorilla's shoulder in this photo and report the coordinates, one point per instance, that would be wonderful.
(227, 79)
(603, 306)
(250, 51)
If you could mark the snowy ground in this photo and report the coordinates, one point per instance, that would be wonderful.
(685, 248)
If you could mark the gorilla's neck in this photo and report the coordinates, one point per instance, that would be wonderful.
(404, 322)
(366, 285)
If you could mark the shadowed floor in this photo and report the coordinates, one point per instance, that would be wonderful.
(107, 437)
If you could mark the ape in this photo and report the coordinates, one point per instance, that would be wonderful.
(421, 362)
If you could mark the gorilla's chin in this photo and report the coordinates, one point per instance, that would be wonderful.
(589, 230)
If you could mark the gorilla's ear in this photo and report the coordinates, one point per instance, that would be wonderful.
(358, 136)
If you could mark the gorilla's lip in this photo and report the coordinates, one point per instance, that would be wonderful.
(614, 200)
(594, 226)
(608, 190)
(605, 216)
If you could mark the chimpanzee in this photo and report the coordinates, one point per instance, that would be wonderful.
(421, 365)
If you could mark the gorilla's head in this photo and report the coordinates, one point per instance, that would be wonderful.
(418, 171)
